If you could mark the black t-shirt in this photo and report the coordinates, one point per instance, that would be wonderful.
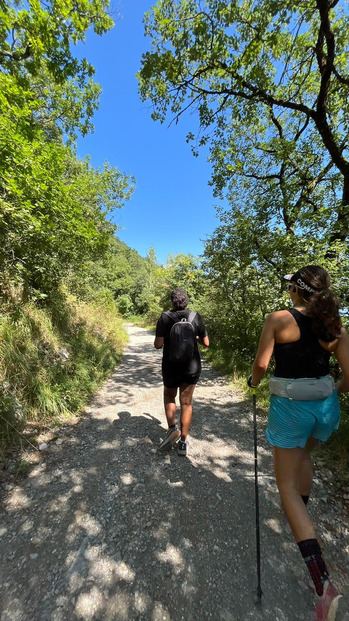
(163, 329)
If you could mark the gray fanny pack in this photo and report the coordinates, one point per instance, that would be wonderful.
(302, 389)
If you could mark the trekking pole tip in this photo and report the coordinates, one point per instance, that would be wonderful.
(259, 596)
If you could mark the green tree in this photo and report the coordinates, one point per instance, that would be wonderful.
(183, 271)
(275, 74)
(37, 45)
(147, 300)
(120, 270)
(54, 209)
(38, 34)
(269, 84)
(125, 305)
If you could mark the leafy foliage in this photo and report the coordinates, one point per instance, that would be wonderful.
(270, 86)
(55, 215)
(269, 83)
(53, 207)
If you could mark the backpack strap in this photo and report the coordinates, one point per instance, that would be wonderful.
(169, 313)
(192, 316)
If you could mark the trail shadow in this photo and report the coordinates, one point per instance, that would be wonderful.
(141, 367)
(108, 528)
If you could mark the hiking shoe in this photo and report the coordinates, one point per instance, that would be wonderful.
(327, 604)
(170, 438)
(182, 448)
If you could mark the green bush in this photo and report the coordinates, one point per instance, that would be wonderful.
(125, 305)
(52, 359)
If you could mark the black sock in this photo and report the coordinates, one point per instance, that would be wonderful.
(311, 552)
(172, 427)
(305, 499)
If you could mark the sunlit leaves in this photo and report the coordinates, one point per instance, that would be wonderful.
(55, 210)
(269, 84)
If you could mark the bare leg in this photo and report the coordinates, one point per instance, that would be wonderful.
(186, 397)
(293, 472)
(305, 476)
(170, 405)
(289, 464)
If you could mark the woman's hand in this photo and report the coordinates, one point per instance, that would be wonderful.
(249, 383)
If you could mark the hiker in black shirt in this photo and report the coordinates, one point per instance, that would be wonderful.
(183, 374)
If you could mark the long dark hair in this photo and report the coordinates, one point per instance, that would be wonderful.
(313, 283)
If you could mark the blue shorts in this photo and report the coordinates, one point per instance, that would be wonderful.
(291, 423)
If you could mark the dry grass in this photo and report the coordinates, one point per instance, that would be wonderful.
(52, 359)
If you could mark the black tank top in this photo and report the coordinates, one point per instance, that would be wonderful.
(302, 358)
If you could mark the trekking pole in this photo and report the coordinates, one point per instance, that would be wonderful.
(258, 543)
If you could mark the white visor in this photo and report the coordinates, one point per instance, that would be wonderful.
(300, 283)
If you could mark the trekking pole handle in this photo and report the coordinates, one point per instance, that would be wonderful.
(250, 385)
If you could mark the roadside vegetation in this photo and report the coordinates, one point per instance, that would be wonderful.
(269, 86)
(60, 329)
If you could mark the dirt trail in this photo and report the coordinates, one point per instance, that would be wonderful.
(107, 528)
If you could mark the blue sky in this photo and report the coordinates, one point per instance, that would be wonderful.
(172, 208)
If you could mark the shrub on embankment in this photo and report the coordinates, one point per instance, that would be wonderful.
(52, 358)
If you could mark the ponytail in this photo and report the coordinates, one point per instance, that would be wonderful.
(313, 284)
(323, 309)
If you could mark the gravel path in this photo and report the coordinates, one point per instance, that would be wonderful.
(107, 528)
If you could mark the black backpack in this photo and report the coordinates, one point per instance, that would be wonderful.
(182, 338)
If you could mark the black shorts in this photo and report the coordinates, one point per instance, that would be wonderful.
(174, 381)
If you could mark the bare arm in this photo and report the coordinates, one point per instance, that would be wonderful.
(265, 350)
(341, 354)
(203, 341)
(159, 342)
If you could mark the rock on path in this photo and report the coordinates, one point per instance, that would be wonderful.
(107, 528)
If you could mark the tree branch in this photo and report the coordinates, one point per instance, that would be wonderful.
(340, 78)
(276, 123)
(262, 177)
(326, 67)
(15, 55)
(302, 129)
(260, 94)
(183, 110)
(267, 259)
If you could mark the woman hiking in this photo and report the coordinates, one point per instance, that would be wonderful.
(304, 407)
